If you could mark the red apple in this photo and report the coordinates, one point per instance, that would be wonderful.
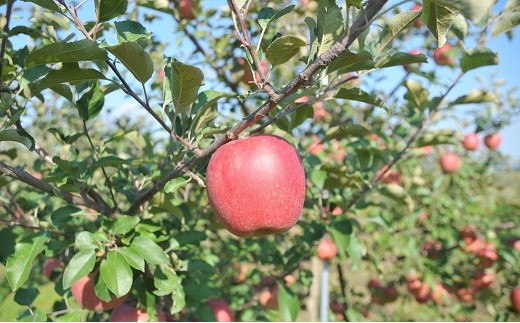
(268, 297)
(428, 150)
(84, 292)
(389, 176)
(319, 111)
(413, 284)
(487, 255)
(466, 295)
(423, 295)
(186, 8)
(482, 279)
(417, 23)
(327, 250)
(242, 272)
(515, 298)
(440, 294)
(339, 151)
(423, 216)
(469, 234)
(128, 313)
(316, 147)
(221, 310)
(414, 52)
(492, 141)
(337, 211)
(49, 266)
(247, 77)
(256, 185)
(471, 141)
(450, 162)
(432, 249)
(441, 57)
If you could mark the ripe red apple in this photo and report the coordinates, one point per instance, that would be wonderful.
(482, 279)
(84, 292)
(186, 8)
(316, 147)
(242, 272)
(339, 151)
(49, 266)
(450, 162)
(128, 313)
(466, 294)
(337, 307)
(256, 185)
(515, 298)
(492, 141)
(247, 77)
(417, 23)
(389, 176)
(268, 297)
(327, 250)
(471, 141)
(487, 255)
(413, 284)
(221, 310)
(423, 216)
(413, 52)
(432, 249)
(337, 211)
(469, 234)
(440, 294)
(441, 57)
(423, 295)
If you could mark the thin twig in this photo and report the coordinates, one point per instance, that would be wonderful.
(8, 11)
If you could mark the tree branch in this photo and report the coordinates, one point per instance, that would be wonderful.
(8, 11)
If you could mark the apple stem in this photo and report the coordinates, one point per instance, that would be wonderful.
(324, 292)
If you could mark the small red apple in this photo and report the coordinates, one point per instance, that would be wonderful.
(423, 216)
(450, 162)
(466, 294)
(432, 249)
(316, 147)
(413, 284)
(440, 294)
(242, 272)
(327, 250)
(247, 77)
(49, 266)
(469, 234)
(441, 56)
(423, 295)
(186, 8)
(414, 52)
(471, 141)
(319, 111)
(339, 151)
(337, 211)
(482, 279)
(128, 313)
(492, 141)
(515, 298)
(389, 176)
(268, 297)
(256, 185)
(487, 255)
(428, 150)
(84, 292)
(221, 310)
(417, 23)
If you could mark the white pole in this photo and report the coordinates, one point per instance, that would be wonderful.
(324, 292)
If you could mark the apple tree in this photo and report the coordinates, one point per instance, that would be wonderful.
(197, 160)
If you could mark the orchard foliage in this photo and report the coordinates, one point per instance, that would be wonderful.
(108, 126)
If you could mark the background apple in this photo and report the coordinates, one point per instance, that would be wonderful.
(256, 185)
(471, 141)
(515, 298)
(441, 56)
(450, 162)
(50, 265)
(128, 313)
(327, 250)
(417, 23)
(492, 141)
(413, 52)
(84, 292)
(221, 310)
(186, 8)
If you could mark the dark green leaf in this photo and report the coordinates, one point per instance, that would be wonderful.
(47, 4)
(26, 296)
(395, 26)
(149, 250)
(19, 136)
(19, 264)
(133, 258)
(78, 267)
(64, 52)
(165, 281)
(135, 59)
(116, 273)
(266, 15)
(185, 83)
(63, 215)
(478, 58)
(108, 9)
(91, 102)
(130, 31)
(360, 95)
(400, 58)
(69, 73)
(349, 62)
(101, 290)
(330, 24)
(208, 98)
(283, 49)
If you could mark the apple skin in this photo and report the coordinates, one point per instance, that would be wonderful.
(49, 266)
(268, 297)
(413, 52)
(471, 141)
(492, 141)
(186, 8)
(221, 310)
(515, 298)
(128, 313)
(450, 162)
(247, 77)
(256, 185)
(84, 292)
(441, 58)
(327, 250)
(417, 23)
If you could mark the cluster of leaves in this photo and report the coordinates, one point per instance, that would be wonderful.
(163, 247)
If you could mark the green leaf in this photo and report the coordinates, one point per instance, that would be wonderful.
(417, 95)
(64, 52)
(178, 300)
(101, 290)
(475, 10)
(395, 26)
(283, 49)
(476, 96)
(130, 31)
(185, 83)
(341, 231)
(165, 281)
(64, 215)
(478, 58)
(356, 94)
(330, 24)
(506, 22)
(355, 251)
(400, 58)
(91, 102)
(460, 27)
(288, 305)
(47, 4)
(149, 250)
(116, 273)
(19, 136)
(174, 185)
(266, 15)
(133, 258)
(349, 62)
(355, 130)
(79, 266)
(125, 224)
(109, 161)
(85, 241)
(135, 59)
(19, 264)
(318, 178)
(208, 98)
(26, 296)
(438, 18)
(108, 9)
(69, 73)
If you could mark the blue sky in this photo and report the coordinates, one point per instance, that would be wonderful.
(508, 67)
